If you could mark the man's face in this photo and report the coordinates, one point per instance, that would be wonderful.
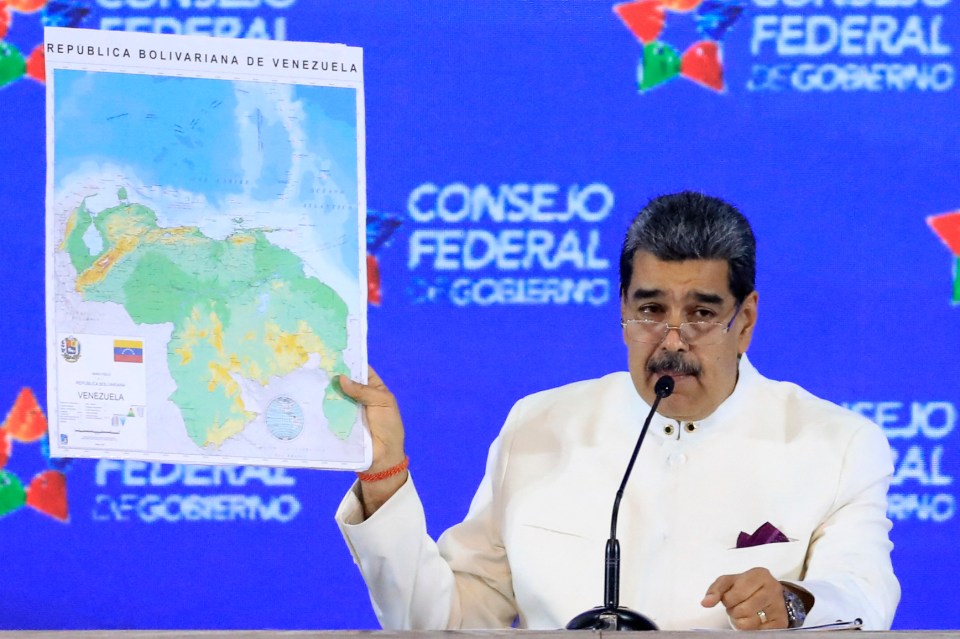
(688, 291)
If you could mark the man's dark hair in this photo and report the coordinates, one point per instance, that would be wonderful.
(693, 226)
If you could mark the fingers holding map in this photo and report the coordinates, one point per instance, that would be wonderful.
(205, 249)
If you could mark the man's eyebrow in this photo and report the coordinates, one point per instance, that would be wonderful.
(646, 293)
(707, 298)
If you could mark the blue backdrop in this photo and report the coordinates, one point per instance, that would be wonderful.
(493, 127)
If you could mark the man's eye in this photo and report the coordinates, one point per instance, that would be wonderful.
(704, 315)
(647, 311)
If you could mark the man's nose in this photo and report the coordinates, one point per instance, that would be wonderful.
(672, 341)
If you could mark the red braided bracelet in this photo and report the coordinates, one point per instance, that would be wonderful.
(383, 474)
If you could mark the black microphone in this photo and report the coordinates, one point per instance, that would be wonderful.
(611, 615)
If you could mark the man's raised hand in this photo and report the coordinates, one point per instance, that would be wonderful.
(386, 430)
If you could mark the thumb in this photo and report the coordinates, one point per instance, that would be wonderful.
(710, 600)
(364, 394)
(349, 387)
(714, 593)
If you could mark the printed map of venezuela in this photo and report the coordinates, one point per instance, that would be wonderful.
(205, 256)
(241, 307)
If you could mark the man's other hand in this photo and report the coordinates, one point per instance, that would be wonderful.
(386, 430)
(745, 596)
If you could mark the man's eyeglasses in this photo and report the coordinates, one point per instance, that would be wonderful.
(653, 332)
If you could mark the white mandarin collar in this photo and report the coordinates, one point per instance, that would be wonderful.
(669, 428)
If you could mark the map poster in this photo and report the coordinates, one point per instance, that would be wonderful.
(205, 249)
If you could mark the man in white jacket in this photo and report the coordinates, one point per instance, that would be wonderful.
(754, 504)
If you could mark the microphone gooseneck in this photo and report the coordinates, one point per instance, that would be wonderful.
(611, 616)
(663, 389)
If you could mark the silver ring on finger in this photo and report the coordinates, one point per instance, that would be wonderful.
(763, 616)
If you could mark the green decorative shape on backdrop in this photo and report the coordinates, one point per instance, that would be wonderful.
(12, 64)
(660, 63)
(12, 494)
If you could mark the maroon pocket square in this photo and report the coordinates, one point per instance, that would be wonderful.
(765, 534)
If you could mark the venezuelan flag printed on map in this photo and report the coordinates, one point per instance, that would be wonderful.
(128, 350)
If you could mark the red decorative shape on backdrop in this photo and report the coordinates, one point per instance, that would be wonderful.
(47, 493)
(27, 6)
(682, 5)
(947, 228)
(26, 422)
(701, 63)
(5, 19)
(373, 281)
(6, 447)
(644, 18)
(36, 65)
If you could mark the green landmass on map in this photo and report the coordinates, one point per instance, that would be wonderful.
(240, 306)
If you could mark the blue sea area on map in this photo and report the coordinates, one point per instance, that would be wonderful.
(170, 131)
(228, 141)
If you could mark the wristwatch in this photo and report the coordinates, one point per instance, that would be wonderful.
(796, 611)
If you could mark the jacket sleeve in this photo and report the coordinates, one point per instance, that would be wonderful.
(462, 581)
(848, 567)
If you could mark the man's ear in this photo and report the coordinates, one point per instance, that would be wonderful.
(746, 322)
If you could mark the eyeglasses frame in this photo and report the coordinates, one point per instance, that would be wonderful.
(679, 327)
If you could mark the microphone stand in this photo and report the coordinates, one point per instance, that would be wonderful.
(611, 615)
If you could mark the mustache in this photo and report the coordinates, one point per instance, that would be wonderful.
(673, 363)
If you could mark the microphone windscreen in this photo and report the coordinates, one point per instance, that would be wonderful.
(664, 387)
